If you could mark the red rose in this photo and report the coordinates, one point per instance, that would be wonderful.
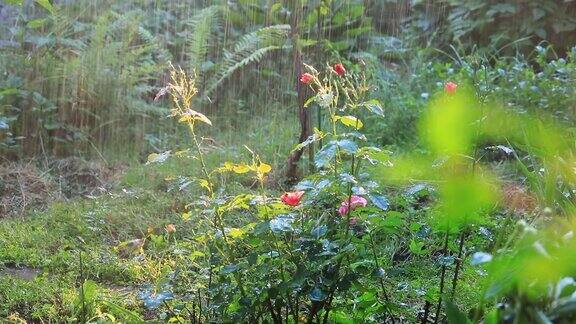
(306, 78)
(292, 198)
(339, 69)
(450, 87)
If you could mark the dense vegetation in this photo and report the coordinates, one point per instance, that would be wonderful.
(330, 161)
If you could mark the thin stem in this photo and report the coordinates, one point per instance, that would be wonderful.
(272, 313)
(319, 116)
(200, 156)
(334, 136)
(172, 312)
(200, 305)
(459, 262)
(192, 312)
(426, 311)
(83, 313)
(443, 275)
(375, 256)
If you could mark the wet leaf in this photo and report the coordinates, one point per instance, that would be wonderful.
(263, 168)
(504, 149)
(348, 146)
(375, 107)
(380, 273)
(282, 223)
(152, 300)
(380, 201)
(46, 5)
(319, 231)
(350, 121)
(417, 247)
(325, 155)
(236, 233)
(317, 295)
(240, 168)
(480, 257)
(228, 269)
(14, 2)
(37, 23)
(158, 158)
(446, 260)
(454, 314)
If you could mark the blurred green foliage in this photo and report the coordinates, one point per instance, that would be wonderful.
(442, 230)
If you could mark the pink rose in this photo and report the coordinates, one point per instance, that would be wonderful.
(353, 203)
(450, 87)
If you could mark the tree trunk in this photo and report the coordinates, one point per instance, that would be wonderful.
(303, 113)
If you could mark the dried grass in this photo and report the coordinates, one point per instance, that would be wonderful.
(23, 186)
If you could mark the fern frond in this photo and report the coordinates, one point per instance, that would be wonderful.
(203, 25)
(251, 48)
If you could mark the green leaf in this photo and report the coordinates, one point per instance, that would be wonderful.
(317, 295)
(8, 92)
(318, 135)
(449, 124)
(374, 106)
(341, 318)
(46, 5)
(417, 247)
(348, 146)
(240, 168)
(455, 315)
(282, 223)
(229, 269)
(37, 23)
(128, 315)
(319, 231)
(158, 157)
(491, 317)
(465, 201)
(380, 201)
(263, 168)
(393, 219)
(13, 2)
(480, 258)
(542, 318)
(350, 121)
(325, 155)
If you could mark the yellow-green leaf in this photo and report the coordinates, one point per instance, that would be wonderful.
(204, 184)
(350, 121)
(196, 254)
(36, 23)
(185, 119)
(309, 101)
(46, 5)
(13, 2)
(202, 118)
(191, 116)
(236, 233)
(241, 168)
(158, 158)
(264, 168)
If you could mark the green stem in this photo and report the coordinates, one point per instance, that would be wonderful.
(201, 157)
(82, 298)
(375, 256)
(334, 137)
(442, 277)
(459, 262)
(387, 309)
